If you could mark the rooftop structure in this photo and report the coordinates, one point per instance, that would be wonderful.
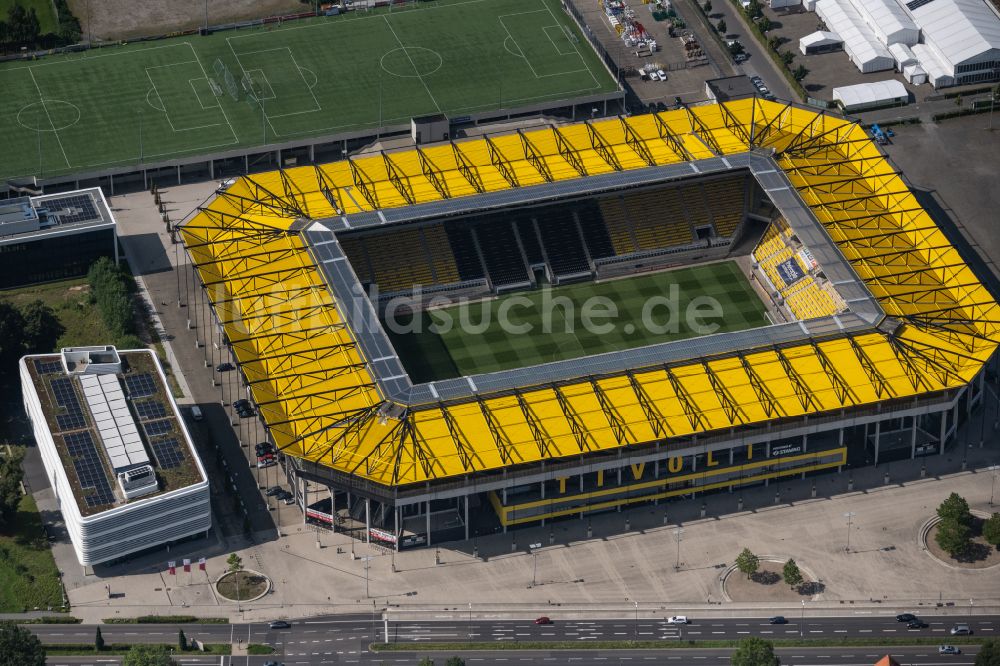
(117, 453)
(730, 87)
(54, 236)
(917, 322)
(867, 95)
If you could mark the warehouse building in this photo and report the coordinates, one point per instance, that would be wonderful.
(54, 236)
(118, 455)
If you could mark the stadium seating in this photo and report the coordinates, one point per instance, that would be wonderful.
(619, 229)
(529, 240)
(463, 248)
(442, 260)
(503, 258)
(725, 199)
(595, 232)
(657, 217)
(402, 260)
(354, 248)
(562, 242)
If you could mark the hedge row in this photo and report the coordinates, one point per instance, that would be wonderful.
(112, 288)
(165, 619)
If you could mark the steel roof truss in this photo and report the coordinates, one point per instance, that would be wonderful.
(468, 170)
(364, 183)
(802, 391)
(657, 421)
(399, 180)
(466, 451)
(675, 144)
(580, 431)
(841, 388)
(501, 163)
(619, 426)
(601, 147)
(534, 157)
(698, 128)
(538, 432)
(882, 387)
(500, 438)
(328, 189)
(691, 411)
(636, 143)
(433, 174)
(734, 412)
(569, 153)
(767, 400)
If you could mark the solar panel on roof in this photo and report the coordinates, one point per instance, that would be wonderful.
(140, 385)
(48, 367)
(168, 453)
(89, 469)
(154, 428)
(150, 409)
(70, 209)
(66, 398)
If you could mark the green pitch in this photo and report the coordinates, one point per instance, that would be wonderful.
(125, 105)
(643, 307)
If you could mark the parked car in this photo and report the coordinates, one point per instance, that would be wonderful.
(279, 624)
(961, 630)
(196, 413)
(245, 412)
(273, 490)
(225, 367)
(284, 494)
(777, 619)
(906, 617)
(265, 462)
(543, 620)
(242, 402)
(653, 76)
(948, 649)
(916, 624)
(740, 58)
(677, 619)
(289, 500)
(663, 75)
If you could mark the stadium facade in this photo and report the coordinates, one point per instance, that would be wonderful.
(119, 458)
(877, 338)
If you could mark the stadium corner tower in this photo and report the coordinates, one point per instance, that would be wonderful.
(857, 333)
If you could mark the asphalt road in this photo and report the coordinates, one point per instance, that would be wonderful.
(308, 636)
(917, 656)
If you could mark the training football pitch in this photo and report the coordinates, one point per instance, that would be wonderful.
(155, 101)
(545, 325)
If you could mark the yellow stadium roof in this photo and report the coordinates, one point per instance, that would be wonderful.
(322, 402)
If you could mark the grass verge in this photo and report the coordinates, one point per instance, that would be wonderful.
(165, 619)
(257, 648)
(118, 649)
(29, 579)
(666, 645)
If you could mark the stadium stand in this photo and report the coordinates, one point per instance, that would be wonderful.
(725, 201)
(504, 261)
(439, 251)
(619, 229)
(354, 248)
(463, 248)
(415, 256)
(529, 240)
(562, 242)
(595, 232)
(658, 219)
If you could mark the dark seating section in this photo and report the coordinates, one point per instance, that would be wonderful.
(562, 241)
(501, 252)
(463, 246)
(595, 232)
(529, 239)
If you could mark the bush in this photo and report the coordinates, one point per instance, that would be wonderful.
(991, 530)
(953, 537)
(955, 508)
(111, 289)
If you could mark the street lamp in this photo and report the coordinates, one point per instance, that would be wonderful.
(678, 532)
(636, 625)
(470, 621)
(534, 562)
(993, 483)
(849, 515)
(802, 619)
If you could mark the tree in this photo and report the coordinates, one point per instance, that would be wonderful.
(773, 43)
(754, 652)
(11, 474)
(426, 661)
(991, 530)
(747, 562)
(42, 327)
(455, 661)
(235, 564)
(755, 10)
(792, 574)
(786, 57)
(98, 640)
(721, 26)
(147, 655)
(953, 537)
(182, 641)
(736, 48)
(764, 24)
(707, 6)
(800, 73)
(989, 654)
(20, 647)
(956, 509)
(11, 335)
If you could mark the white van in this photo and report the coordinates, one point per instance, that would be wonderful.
(196, 413)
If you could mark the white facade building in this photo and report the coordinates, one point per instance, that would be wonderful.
(963, 36)
(117, 453)
(888, 21)
(867, 95)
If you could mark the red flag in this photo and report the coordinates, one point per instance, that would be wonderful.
(201, 563)
(187, 565)
(172, 568)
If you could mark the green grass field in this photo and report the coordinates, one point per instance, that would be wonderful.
(46, 13)
(28, 575)
(431, 355)
(186, 96)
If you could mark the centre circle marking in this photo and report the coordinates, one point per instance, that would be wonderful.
(48, 115)
(402, 62)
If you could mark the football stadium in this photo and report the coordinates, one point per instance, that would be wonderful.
(470, 336)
